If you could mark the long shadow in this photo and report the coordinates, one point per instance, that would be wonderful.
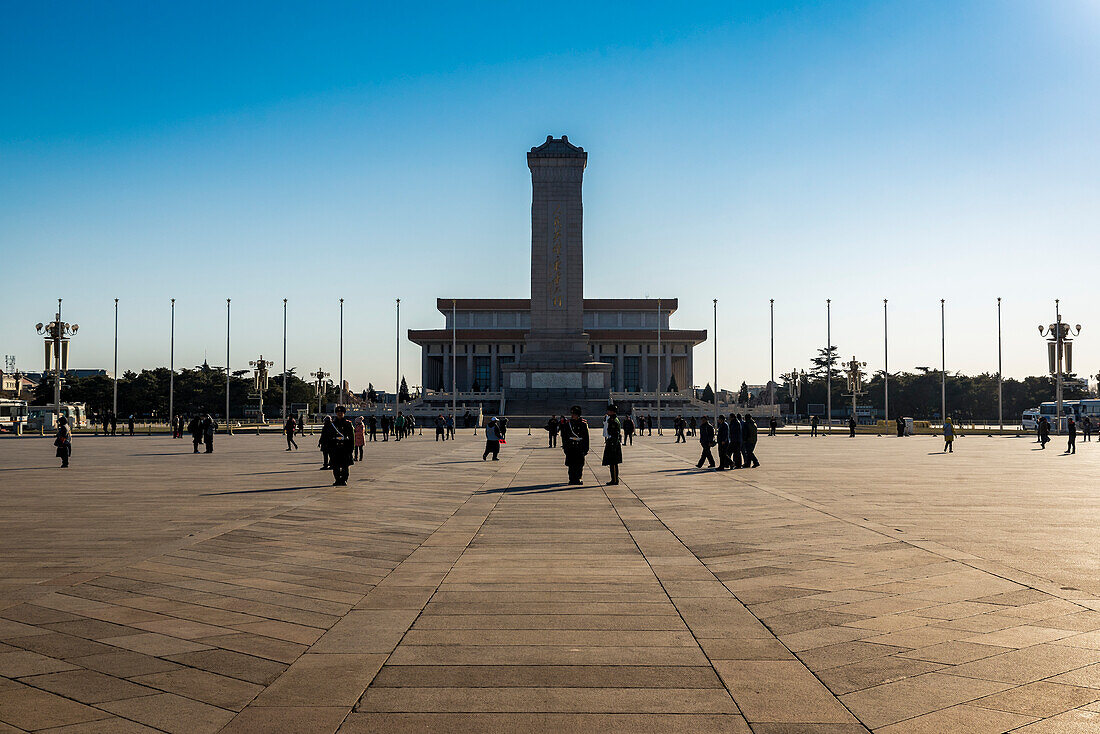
(536, 489)
(29, 468)
(255, 473)
(260, 491)
(167, 453)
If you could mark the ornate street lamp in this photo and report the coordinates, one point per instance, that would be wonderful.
(57, 334)
(855, 381)
(319, 385)
(259, 382)
(794, 380)
(1059, 337)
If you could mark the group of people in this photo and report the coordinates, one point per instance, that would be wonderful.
(1043, 432)
(444, 427)
(109, 421)
(202, 429)
(735, 440)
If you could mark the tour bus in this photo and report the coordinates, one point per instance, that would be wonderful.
(1070, 409)
(12, 411)
(1089, 407)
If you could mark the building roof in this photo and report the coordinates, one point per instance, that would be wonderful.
(422, 336)
(668, 305)
(557, 148)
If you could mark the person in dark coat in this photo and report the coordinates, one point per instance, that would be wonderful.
(552, 431)
(680, 425)
(440, 428)
(706, 440)
(735, 440)
(628, 430)
(748, 442)
(195, 429)
(114, 423)
(649, 425)
(130, 424)
(1044, 432)
(901, 427)
(323, 445)
(1086, 428)
(288, 429)
(63, 441)
(612, 443)
(692, 425)
(813, 425)
(723, 444)
(575, 444)
(372, 428)
(209, 426)
(337, 435)
(851, 426)
(772, 425)
(1071, 433)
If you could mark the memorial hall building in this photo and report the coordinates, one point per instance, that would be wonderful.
(491, 332)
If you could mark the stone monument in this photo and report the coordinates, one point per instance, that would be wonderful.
(556, 362)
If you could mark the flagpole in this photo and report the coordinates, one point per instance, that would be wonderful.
(284, 362)
(114, 398)
(227, 372)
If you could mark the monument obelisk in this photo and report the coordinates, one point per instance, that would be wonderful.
(556, 361)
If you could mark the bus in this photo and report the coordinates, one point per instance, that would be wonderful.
(1070, 409)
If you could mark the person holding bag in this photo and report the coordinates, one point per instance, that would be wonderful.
(337, 439)
(63, 441)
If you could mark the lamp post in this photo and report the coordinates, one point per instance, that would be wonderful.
(1059, 354)
(227, 372)
(660, 357)
(771, 380)
(794, 388)
(716, 362)
(341, 370)
(56, 334)
(829, 365)
(172, 370)
(943, 365)
(1000, 376)
(885, 365)
(319, 385)
(114, 388)
(855, 382)
(259, 381)
(284, 362)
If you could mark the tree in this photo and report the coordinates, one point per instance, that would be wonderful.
(403, 392)
(824, 359)
(672, 385)
(708, 394)
(743, 394)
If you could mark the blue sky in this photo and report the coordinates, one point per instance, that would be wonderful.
(740, 151)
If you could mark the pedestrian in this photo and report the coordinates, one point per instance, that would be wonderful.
(323, 444)
(288, 429)
(628, 430)
(440, 428)
(1086, 428)
(492, 440)
(451, 427)
(852, 426)
(772, 425)
(813, 425)
(195, 429)
(692, 425)
(338, 437)
(360, 438)
(1044, 432)
(641, 425)
(723, 444)
(385, 424)
(706, 440)
(114, 424)
(1071, 434)
(63, 441)
(503, 425)
(301, 424)
(901, 427)
(748, 442)
(372, 427)
(130, 424)
(575, 444)
(209, 425)
(649, 424)
(736, 428)
(612, 442)
(680, 425)
(948, 437)
(552, 431)
(399, 427)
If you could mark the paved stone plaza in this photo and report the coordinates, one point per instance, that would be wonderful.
(846, 585)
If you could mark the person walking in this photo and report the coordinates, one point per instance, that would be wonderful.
(772, 425)
(323, 445)
(723, 444)
(1071, 436)
(301, 424)
(1086, 428)
(372, 427)
(360, 438)
(399, 427)
(649, 424)
(288, 429)
(948, 437)
(451, 427)
(706, 440)
(852, 426)
(628, 430)
(195, 429)
(385, 423)
(813, 425)
(130, 424)
(641, 425)
(575, 444)
(114, 424)
(612, 442)
(503, 425)
(1044, 432)
(492, 440)
(680, 425)
(63, 441)
(209, 425)
(440, 428)
(337, 436)
(736, 428)
(748, 442)
(692, 425)
(552, 431)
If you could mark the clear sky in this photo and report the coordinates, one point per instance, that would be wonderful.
(737, 150)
